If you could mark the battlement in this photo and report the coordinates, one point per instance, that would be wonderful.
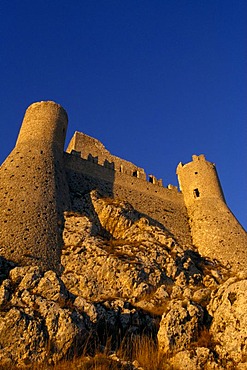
(199, 179)
(196, 160)
(92, 150)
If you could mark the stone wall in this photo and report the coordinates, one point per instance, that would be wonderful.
(199, 179)
(94, 151)
(214, 229)
(165, 206)
(33, 189)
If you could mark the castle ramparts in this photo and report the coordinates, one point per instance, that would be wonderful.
(39, 181)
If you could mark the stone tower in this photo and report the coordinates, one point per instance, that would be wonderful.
(215, 230)
(33, 189)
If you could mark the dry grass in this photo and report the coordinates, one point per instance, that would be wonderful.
(99, 362)
(143, 350)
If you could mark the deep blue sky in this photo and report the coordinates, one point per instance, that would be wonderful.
(155, 80)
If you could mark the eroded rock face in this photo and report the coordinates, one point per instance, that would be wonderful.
(35, 324)
(138, 257)
(123, 275)
(179, 326)
(200, 358)
(228, 308)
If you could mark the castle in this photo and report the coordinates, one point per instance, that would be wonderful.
(38, 182)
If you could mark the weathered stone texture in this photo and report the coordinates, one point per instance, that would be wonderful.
(229, 326)
(214, 229)
(94, 151)
(161, 204)
(179, 327)
(35, 324)
(217, 233)
(124, 275)
(33, 189)
(39, 181)
(125, 246)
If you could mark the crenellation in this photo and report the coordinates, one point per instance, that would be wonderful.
(93, 150)
(200, 157)
(172, 187)
(39, 180)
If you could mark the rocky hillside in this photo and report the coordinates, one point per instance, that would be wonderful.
(123, 276)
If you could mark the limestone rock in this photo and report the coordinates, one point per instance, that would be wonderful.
(52, 288)
(65, 329)
(98, 249)
(229, 325)
(180, 326)
(199, 359)
(123, 275)
(4, 292)
(137, 257)
(23, 338)
(35, 324)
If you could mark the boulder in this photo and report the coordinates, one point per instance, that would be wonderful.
(179, 326)
(228, 309)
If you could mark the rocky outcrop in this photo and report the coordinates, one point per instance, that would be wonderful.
(124, 275)
(229, 325)
(179, 326)
(37, 322)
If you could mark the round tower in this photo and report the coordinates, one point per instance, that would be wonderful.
(44, 123)
(199, 180)
(34, 191)
(214, 229)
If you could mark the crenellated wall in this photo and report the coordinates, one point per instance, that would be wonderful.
(39, 181)
(94, 151)
(163, 205)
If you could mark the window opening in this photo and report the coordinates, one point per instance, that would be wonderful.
(196, 193)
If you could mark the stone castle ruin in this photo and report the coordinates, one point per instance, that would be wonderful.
(39, 182)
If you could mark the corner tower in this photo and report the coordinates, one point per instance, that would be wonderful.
(199, 180)
(215, 230)
(33, 189)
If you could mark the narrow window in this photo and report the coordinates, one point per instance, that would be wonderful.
(196, 193)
